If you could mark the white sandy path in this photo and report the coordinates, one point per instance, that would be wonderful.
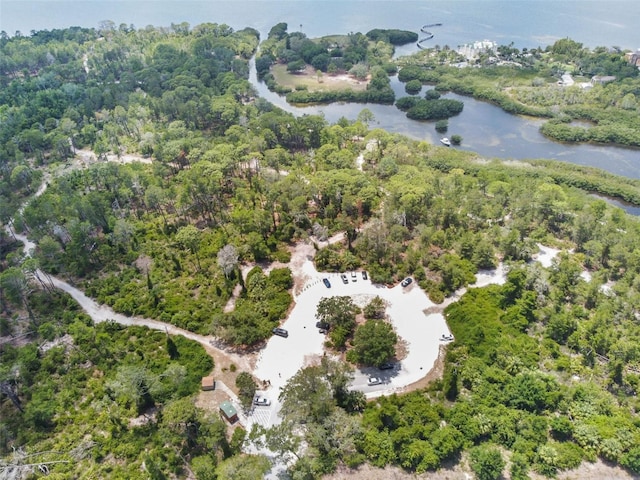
(103, 313)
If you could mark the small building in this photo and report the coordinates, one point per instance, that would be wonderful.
(602, 79)
(634, 58)
(566, 80)
(208, 383)
(228, 411)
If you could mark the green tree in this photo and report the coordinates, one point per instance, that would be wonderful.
(134, 386)
(296, 66)
(374, 343)
(16, 287)
(246, 388)
(360, 71)
(243, 467)
(190, 237)
(375, 309)
(413, 87)
(182, 418)
(204, 467)
(366, 116)
(442, 126)
(631, 460)
(486, 462)
(307, 396)
(340, 313)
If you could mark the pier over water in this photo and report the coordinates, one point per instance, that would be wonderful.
(425, 29)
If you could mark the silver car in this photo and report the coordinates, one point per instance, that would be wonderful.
(261, 401)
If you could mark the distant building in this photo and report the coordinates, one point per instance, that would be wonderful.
(566, 80)
(229, 412)
(473, 50)
(633, 58)
(602, 79)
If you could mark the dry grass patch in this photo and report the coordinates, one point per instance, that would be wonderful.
(309, 79)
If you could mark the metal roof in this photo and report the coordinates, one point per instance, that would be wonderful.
(228, 409)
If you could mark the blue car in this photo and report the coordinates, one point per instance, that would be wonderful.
(326, 282)
(406, 281)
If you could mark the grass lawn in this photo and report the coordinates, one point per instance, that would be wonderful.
(309, 79)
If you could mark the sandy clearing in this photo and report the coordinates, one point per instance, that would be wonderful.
(546, 255)
(282, 357)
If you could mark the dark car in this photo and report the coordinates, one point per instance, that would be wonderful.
(406, 281)
(386, 366)
(326, 282)
(364, 275)
(344, 278)
(323, 325)
(281, 332)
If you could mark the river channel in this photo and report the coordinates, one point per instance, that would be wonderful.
(485, 129)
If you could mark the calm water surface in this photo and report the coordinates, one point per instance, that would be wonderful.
(527, 23)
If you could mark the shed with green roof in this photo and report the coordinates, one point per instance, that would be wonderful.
(228, 411)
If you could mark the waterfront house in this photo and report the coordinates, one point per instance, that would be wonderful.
(633, 58)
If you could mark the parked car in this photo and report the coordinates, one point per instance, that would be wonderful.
(364, 275)
(406, 281)
(374, 381)
(326, 282)
(322, 325)
(354, 277)
(387, 366)
(446, 338)
(261, 401)
(344, 278)
(281, 332)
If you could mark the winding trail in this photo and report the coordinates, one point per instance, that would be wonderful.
(103, 313)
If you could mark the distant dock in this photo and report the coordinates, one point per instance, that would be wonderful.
(429, 35)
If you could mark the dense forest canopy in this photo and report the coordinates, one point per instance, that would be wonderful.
(166, 177)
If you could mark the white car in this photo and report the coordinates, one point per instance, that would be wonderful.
(374, 381)
(261, 401)
(354, 277)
